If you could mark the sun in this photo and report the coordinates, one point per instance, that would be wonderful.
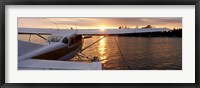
(102, 27)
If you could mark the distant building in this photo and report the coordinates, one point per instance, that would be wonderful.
(120, 27)
(148, 26)
(123, 27)
(137, 26)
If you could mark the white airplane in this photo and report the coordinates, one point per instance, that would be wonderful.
(63, 45)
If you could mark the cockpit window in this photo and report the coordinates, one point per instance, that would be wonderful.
(75, 39)
(54, 38)
(65, 40)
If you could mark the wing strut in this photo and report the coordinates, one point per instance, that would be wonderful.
(29, 38)
(41, 37)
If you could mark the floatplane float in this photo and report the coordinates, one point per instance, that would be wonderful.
(63, 45)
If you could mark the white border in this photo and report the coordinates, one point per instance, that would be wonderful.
(187, 75)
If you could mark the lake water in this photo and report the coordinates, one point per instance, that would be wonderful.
(137, 53)
(134, 53)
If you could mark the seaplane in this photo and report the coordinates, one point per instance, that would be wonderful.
(63, 45)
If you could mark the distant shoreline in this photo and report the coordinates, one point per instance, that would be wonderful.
(171, 33)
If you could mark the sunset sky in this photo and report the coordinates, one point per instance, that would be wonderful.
(97, 23)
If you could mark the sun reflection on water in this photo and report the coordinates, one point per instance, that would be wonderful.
(102, 50)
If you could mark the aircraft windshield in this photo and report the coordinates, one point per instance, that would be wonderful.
(54, 38)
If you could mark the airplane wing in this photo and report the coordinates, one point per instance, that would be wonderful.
(35, 31)
(88, 31)
(119, 31)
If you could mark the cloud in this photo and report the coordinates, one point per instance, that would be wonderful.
(95, 22)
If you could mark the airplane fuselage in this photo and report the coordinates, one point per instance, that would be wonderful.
(59, 51)
(58, 48)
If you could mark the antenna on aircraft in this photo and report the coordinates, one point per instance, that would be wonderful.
(56, 26)
(66, 27)
(75, 26)
(51, 22)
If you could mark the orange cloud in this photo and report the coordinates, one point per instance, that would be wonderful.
(88, 23)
